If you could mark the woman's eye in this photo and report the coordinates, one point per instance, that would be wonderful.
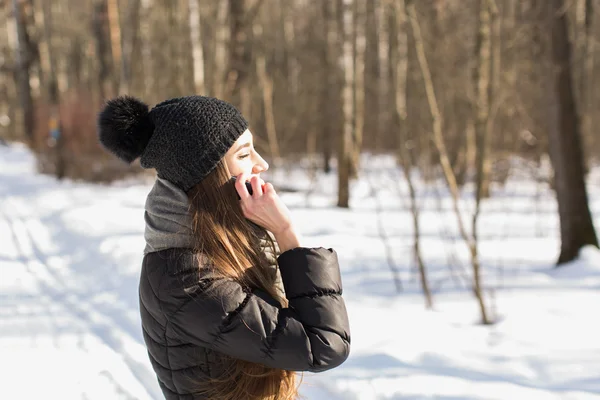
(243, 156)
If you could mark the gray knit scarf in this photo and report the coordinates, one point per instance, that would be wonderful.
(169, 222)
(168, 219)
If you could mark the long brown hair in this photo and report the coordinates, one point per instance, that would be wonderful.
(233, 248)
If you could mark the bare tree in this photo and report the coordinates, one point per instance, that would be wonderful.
(587, 74)
(564, 135)
(197, 50)
(114, 27)
(100, 27)
(22, 72)
(483, 90)
(146, 58)
(239, 55)
(482, 83)
(372, 63)
(344, 157)
(438, 140)
(358, 91)
(318, 77)
(329, 87)
(399, 58)
(220, 58)
(7, 130)
(54, 122)
(266, 84)
(129, 38)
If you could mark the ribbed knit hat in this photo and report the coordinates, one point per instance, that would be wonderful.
(182, 138)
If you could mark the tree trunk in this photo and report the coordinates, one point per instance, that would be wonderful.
(147, 83)
(220, 63)
(7, 129)
(239, 52)
(115, 39)
(54, 119)
(22, 71)
(384, 13)
(170, 56)
(186, 47)
(266, 85)
(470, 149)
(438, 140)
(475, 155)
(372, 72)
(129, 39)
(358, 93)
(482, 83)
(496, 20)
(566, 155)
(329, 83)
(103, 53)
(587, 78)
(290, 43)
(399, 58)
(197, 50)
(345, 142)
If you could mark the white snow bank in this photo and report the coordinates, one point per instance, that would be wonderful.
(70, 257)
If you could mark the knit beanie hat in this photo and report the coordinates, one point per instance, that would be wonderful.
(182, 138)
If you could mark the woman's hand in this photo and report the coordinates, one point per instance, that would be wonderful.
(264, 206)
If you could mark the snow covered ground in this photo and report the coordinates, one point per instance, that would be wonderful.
(70, 257)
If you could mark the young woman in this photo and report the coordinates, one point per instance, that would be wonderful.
(231, 304)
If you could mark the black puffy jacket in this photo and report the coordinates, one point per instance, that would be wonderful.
(190, 318)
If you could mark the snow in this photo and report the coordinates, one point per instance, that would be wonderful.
(70, 257)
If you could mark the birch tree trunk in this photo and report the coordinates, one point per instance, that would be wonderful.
(329, 86)
(438, 140)
(114, 26)
(345, 143)
(399, 58)
(358, 94)
(220, 64)
(169, 55)
(185, 50)
(384, 91)
(197, 50)
(372, 67)
(483, 53)
(496, 64)
(148, 83)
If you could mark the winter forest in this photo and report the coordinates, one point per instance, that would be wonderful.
(447, 149)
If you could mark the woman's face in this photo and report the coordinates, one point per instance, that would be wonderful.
(242, 157)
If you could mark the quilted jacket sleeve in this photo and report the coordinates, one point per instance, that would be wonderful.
(312, 334)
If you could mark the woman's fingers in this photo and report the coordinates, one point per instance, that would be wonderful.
(240, 185)
(256, 187)
(268, 188)
(262, 185)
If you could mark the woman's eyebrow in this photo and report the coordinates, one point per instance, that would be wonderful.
(247, 144)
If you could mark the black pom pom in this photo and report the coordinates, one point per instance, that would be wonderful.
(125, 128)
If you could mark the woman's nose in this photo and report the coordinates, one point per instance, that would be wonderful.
(260, 166)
